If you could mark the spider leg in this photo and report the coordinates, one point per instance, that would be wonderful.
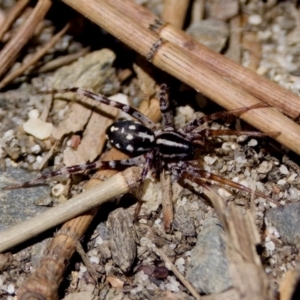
(198, 176)
(99, 98)
(167, 114)
(199, 121)
(113, 164)
(199, 135)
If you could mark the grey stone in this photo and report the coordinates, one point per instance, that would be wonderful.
(208, 270)
(211, 33)
(286, 219)
(19, 204)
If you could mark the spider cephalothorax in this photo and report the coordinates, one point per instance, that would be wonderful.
(161, 148)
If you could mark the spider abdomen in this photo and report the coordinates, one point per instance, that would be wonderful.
(173, 145)
(130, 137)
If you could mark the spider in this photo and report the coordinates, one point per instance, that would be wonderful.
(162, 148)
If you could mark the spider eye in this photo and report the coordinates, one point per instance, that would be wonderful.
(130, 137)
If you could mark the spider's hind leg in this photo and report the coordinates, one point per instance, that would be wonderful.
(148, 163)
(200, 177)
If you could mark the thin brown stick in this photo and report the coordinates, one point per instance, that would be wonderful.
(179, 63)
(12, 15)
(61, 61)
(10, 77)
(258, 86)
(11, 50)
(47, 276)
(170, 266)
(174, 12)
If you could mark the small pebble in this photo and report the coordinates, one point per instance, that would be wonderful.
(10, 289)
(270, 246)
(36, 149)
(210, 160)
(58, 190)
(255, 19)
(95, 259)
(265, 167)
(8, 135)
(252, 143)
(38, 128)
(284, 170)
(34, 114)
(30, 158)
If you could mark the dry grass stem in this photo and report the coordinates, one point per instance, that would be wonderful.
(242, 238)
(289, 285)
(174, 12)
(12, 15)
(38, 55)
(91, 198)
(234, 48)
(63, 245)
(62, 61)
(197, 11)
(11, 50)
(179, 63)
(258, 86)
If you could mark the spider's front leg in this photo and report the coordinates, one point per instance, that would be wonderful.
(113, 164)
(204, 133)
(190, 126)
(104, 100)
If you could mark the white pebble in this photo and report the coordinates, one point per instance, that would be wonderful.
(210, 160)
(270, 246)
(58, 190)
(8, 135)
(30, 158)
(99, 241)
(281, 182)
(291, 178)
(34, 114)
(123, 99)
(95, 259)
(39, 159)
(265, 167)
(38, 128)
(36, 149)
(252, 143)
(179, 263)
(284, 170)
(10, 289)
(223, 193)
(254, 19)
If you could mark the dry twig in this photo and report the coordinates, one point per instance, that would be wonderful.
(186, 67)
(12, 15)
(258, 86)
(10, 77)
(62, 61)
(11, 50)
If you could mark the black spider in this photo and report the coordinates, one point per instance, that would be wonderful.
(162, 148)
